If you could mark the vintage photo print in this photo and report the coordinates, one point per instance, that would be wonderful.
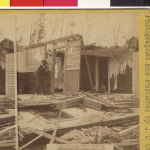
(78, 80)
(7, 83)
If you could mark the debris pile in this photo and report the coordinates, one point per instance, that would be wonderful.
(87, 118)
(118, 100)
(94, 135)
(7, 123)
(120, 136)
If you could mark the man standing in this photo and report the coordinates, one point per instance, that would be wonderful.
(42, 78)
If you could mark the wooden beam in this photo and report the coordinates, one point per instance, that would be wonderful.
(97, 73)
(27, 144)
(7, 118)
(65, 61)
(107, 103)
(109, 123)
(48, 136)
(92, 104)
(33, 104)
(53, 70)
(129, 130)
(55, 130)
(7, 129)
(67, 103)
(108, 75)
(55, 41)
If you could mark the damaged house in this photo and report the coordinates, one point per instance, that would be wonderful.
(75, 67)
(83, 117)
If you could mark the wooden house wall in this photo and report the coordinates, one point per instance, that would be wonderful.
(72, 67)
(27, 79)
(10, 74)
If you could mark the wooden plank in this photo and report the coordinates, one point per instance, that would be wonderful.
(53, 70)
(48, 136)
(129, 130)
(7, 143)
(92, 104)
(55, 130)
(97, 74)
(55, 41)
(7, 129)
(27, 144)
(67, 103)
(34, 104)
(38, 116)
(7, 118)
(100, 100)
(82, 106)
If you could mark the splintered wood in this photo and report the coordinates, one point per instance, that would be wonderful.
(7, 123)
(89, 118)
(103, 135)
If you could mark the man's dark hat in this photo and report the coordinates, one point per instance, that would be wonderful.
(44, 61)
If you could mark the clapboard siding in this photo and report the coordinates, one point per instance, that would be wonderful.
(72, 67)
(10, 74)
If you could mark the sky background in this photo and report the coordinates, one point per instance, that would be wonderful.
(7, 26)
(104, 29)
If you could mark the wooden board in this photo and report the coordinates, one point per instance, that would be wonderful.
(67, 103)
(48, 136)
(72, 67)
(92, 103)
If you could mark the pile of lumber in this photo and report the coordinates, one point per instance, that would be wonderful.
(7, 131)
(117, 100)
(120, 136)
(94, 135)
(8, 137)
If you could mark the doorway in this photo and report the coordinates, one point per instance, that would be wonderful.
(103, 72)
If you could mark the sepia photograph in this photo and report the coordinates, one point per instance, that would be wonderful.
(7, 83)
(77, 79)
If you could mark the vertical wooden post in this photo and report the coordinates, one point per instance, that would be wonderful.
(133, 73)
(65, 61)
(97, 73)
(108, 75)
(7, 76)
(53, 70)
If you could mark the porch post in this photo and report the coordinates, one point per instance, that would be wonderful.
(97, 73)
(108, 75)
(53, 70)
